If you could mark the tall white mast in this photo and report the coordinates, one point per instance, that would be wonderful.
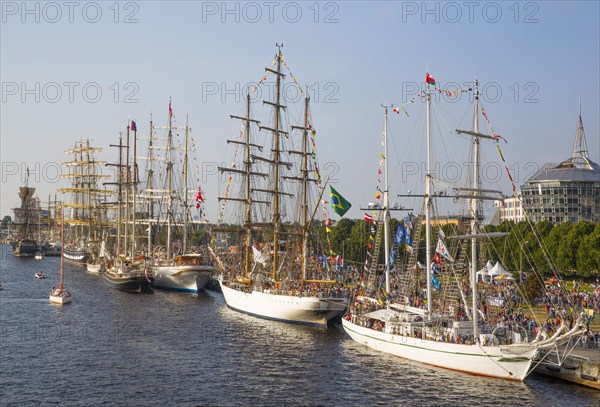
(474, 209)
(185, 188)
(149, 186)
(386, 208)
(428, 191)
(169, 175)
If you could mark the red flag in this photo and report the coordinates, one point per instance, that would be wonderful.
(396, 110)
(369, 218)
(437, 258)
(170, 110)
(133, 126)
(379, 171)
(429, 79)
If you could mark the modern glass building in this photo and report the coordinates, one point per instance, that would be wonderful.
(569, 191)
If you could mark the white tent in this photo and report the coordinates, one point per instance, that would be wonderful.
(498, 270)
(483, 275)
(489, 266)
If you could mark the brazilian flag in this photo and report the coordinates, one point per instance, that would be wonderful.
(338, 203)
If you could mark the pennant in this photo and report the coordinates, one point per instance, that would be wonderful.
(377, 195)
(396, 110)
(170, 110)
(327, 229)
(133, 126)
(369, 218)
(338, 203)
(437, 259)
(499, 137)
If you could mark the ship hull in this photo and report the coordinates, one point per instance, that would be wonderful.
(76, 256)
(60, 300)
(478, 360)
(311, 311)
(25, 248)
(186, 278)
(93, 268)
(135, 284)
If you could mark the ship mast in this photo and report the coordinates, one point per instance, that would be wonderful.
(276, 164)
(305, 179)
(135, 182)
(169, 182)
(428, 192)
(248, 197)
(127, 193)
(120, 194)
(386, 206)
(149, 188)
(305, 190)
(474, 209)
(247, 173)
(186, 207)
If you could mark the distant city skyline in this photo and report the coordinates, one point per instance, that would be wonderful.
(78, 71)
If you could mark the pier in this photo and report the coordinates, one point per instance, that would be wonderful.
(581, 367)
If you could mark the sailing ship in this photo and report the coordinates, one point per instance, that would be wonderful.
(84, 174)
(25, 244)
(128, 270)
(276, 286)
(188, 270)
(60, 295)
(446, 337)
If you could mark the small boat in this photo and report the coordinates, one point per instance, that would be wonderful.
(39, 256)
(40, 275)
(60, 295)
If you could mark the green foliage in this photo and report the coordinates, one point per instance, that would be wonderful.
(532, 287)
(571, 249)
(7, 220)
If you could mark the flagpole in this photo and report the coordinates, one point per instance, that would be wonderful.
(428, 201)
(386, 213)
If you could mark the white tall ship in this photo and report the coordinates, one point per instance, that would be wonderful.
(276, 284)
(438, 337)
(186, 270)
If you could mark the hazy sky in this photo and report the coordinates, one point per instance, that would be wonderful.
(79, 70)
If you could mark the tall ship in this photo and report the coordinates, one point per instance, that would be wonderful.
(168, 200)
(450, 326)
(84, 212)
(123, 267)
(27, 220)
(267, 257)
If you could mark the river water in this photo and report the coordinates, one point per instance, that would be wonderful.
(112, 348)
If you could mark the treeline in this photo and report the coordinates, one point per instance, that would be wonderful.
(571, 249)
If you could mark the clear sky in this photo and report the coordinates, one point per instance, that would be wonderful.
(534, 60)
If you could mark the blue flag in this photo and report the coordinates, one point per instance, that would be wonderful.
(393, 256)
(399, 238)
(435, 282)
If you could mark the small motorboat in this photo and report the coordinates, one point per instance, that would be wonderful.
(40, 275)
(39, 256)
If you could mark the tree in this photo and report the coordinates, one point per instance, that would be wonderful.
(588, 254)
(7, 220)
(569, 245)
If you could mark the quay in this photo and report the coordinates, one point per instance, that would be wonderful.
(581, 367)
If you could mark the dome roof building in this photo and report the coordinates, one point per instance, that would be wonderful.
(569, 191)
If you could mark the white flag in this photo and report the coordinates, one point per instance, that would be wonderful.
(258, 256)
(441, 249)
